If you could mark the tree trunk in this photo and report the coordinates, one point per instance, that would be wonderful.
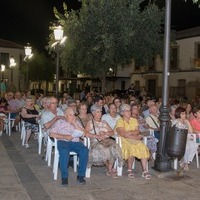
(103, 85)
(47, 87)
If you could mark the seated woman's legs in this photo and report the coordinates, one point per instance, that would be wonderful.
(144, 164)
(130, 162)
(1, 126)
(28, 135)
(145, 173)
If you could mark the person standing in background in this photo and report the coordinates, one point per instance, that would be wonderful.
(3, 88)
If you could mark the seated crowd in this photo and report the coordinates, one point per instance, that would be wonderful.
(101, 119)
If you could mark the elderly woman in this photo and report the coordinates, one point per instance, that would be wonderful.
(182, 122)
(29, 115)
(83, 116)
(103, 150)
(132, 146)
(144, 129)
(195, 122)
(68, 131)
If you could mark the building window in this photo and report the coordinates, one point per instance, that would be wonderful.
(62, 87)
(196, 60)
(181, 87)
(152, 64)
(123, 84)
(197, 50)
(174, 58)
(5, 59)
(137, 84)
(137, 67)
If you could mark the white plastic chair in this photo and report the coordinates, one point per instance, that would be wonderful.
(119, 142)
(56, 160)
(50, 145)
(119, 169)
(23, 133)
(40, 138)
(194, 137)
(9, 123)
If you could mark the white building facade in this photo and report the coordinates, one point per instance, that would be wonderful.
(184, 72)
(12, 75)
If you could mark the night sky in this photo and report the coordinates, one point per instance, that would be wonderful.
(25, 21)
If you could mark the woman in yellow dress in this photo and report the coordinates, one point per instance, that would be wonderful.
(132, 146)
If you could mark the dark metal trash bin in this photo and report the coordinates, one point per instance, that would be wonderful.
(176, 142)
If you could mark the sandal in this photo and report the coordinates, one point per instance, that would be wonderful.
(130, 174)
(146, 175)
(186, 167)
(182, 165)
(112, 173)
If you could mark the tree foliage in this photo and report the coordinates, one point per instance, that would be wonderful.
(40, 67)
(105, 34)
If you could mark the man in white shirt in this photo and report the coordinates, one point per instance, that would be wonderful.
(52, 114)
(153, 121)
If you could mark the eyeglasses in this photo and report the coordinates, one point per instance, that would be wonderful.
(54, 102)
(127, 110)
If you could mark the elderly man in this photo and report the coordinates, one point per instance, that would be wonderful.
(51, 114)
(153, 121)
(14, 108)
(67, 131)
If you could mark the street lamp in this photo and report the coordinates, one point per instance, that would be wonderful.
(12, 64)
(58, 36)
(162, 162)
(28, 55)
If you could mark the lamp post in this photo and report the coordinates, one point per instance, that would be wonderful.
(12, 64)
(58, 36)
(162, 162)
(28, 55)
(3, 67)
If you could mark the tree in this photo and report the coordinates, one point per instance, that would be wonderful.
(108, 34)
(40, 68)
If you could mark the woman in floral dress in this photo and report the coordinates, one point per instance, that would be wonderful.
(103, 150)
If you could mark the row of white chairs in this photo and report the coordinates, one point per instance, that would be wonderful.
(53, 143)
(9, 123)
(40, 135)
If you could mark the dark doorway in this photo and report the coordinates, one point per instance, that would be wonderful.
(152, 87)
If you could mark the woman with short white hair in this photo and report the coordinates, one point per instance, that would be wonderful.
(132, 146)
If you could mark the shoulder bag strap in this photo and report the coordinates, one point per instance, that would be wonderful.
(154, 122)
(81, 121)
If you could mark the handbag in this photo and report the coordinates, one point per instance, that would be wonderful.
(107, 141)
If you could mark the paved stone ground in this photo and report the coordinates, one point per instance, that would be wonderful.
(24, 175)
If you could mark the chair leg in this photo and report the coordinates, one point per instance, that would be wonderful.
(23, 135)
(197, 159)
(88, 172)
(55, 165)
(48, 155)
(175, 163)
(40, 137)
(75, 162)
(119, 171)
